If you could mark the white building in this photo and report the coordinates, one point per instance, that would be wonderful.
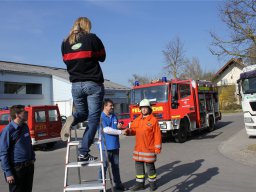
(229, 73)
(41, 85)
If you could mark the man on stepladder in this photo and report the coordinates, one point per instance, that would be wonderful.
(81, 52)
(148, 144)
(111, 130)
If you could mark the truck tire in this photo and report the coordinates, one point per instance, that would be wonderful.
(182, 133)
(211, 124)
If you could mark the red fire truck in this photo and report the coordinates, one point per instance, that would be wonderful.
(44, 123)
(181, 106)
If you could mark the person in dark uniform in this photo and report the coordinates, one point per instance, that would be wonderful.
(16, 152)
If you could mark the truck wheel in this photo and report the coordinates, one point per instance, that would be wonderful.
(211, 124)
(182, 134)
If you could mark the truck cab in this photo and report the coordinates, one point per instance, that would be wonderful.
(247, 91)
(44, 123)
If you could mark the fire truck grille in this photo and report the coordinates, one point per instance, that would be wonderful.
(253, 105)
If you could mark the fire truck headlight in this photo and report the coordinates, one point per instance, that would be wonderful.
(163, 126)
(248, 120)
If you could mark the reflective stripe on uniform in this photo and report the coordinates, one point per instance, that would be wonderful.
(143, 153)
(152, 176)
(147, 159)
(83, 55)
(140, 176)
(151, 180)
(158, 146)
(139, 180)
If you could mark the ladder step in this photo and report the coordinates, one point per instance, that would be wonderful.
(92, 185)
(85, 163)
(74, 143)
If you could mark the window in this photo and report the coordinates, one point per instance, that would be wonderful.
(174, 92)
(53, 115)
(153, 93)
(224, 82)
(184, 90)
(40, 116)
(22, 88)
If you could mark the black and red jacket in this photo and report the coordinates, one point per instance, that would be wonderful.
(82, 58)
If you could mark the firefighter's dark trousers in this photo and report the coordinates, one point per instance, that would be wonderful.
(140, 171)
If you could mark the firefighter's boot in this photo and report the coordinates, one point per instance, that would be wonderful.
(138, 186)
(152, 186)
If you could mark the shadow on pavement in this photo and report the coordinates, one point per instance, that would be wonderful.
(171, 171)
(204, 134)
(194, 180)
(200, 134)
(45, 147)
(222, 124)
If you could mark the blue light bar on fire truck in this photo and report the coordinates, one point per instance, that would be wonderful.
(4, 108)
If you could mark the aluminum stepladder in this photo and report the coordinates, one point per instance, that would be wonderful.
(86, 185)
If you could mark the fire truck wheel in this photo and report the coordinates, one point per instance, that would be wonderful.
(211, 124)
(182, 133)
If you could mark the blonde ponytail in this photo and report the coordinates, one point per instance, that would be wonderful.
(81, 25)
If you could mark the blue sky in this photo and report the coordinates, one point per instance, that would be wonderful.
(134, 32)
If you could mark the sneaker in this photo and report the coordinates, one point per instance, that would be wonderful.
(87, 157)
(65, 131)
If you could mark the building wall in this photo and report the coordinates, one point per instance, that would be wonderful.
(230, 75)
(26, 99)
(55, 90)
(62, 95)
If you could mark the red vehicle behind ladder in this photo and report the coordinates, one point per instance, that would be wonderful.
(181, 106)
(44, 123)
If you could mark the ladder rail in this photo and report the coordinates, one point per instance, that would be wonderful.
(88, 186)
(102, 136)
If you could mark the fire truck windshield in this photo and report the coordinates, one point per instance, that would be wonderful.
(154, 93)
(249, 85)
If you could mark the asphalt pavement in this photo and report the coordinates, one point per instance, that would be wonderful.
(241, 148)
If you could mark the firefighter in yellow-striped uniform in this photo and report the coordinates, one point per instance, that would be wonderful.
(148, 145)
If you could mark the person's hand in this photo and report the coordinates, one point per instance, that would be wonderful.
(10, 180)
(120, 124)
(125, 132)
(157, 151)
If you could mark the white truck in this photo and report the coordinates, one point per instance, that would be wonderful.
(247, 91)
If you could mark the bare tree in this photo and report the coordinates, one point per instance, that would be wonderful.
(208, 75)
(240, 18)
(175, 57)
(252, 52)
(192, 70)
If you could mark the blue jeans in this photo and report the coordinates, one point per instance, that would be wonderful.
(113, 156)
(87, 98)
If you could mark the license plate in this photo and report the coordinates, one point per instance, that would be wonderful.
(41, 134)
